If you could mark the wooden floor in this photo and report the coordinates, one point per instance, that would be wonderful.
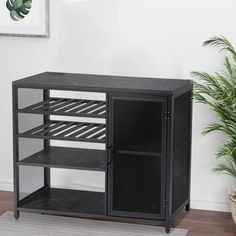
(198, 222)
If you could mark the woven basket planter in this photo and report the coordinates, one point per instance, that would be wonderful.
(233, 206)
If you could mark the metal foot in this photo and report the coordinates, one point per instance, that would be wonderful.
(16, 214)
(187, 208)
(167, 227)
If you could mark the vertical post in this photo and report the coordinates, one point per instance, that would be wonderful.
(107, 153)
(169, 163)
(46, 143)
(187, 208)
(15, 150)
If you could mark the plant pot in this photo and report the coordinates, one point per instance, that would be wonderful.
(233, 206)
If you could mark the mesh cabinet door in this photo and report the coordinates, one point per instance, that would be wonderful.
(136, 170)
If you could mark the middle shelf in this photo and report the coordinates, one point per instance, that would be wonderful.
(66, 130)
(70, 158)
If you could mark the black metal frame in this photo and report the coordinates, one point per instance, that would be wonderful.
(167, 100)
(15, 151)
(169, 162)
(46, 143)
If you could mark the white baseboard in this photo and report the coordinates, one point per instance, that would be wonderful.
(82, 186)
(195, 204)
(210, 205)
(6, 185)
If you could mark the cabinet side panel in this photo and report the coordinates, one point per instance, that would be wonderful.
(181, 152)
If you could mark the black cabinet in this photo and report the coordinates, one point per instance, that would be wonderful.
(147, 137)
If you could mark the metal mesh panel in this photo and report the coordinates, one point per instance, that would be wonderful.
(137, 183)
(181, 150)
(28, 147)
(137, 125)
(27, 97)
(182, 121)
(180, 178)
(31, 179)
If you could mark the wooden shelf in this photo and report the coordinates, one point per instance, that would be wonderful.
(60, 201)
(68, 107)
(65, 130)
(70, 158)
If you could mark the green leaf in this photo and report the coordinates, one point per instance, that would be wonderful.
(227, 167)
(18, 8)
(223, 43)
(218, 91)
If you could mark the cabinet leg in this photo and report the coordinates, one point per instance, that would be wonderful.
(16, 214)
(167, 226)
(187, 207)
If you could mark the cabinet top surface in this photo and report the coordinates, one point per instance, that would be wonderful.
(102, 83)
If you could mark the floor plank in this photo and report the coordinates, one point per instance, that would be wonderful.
(198, 222)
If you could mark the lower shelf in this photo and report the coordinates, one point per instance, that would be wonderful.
(60, 201)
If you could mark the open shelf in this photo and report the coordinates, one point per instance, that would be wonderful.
(59, 201)
(65, 130)
(70, 158)
(68, 107)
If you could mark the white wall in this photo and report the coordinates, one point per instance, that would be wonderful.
(155, 38)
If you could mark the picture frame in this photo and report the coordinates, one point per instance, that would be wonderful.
(24, 18)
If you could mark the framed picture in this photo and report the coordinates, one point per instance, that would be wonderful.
(24, 18)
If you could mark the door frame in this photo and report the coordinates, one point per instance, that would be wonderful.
(135, 97)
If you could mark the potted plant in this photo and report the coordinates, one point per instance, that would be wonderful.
(218, 91)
